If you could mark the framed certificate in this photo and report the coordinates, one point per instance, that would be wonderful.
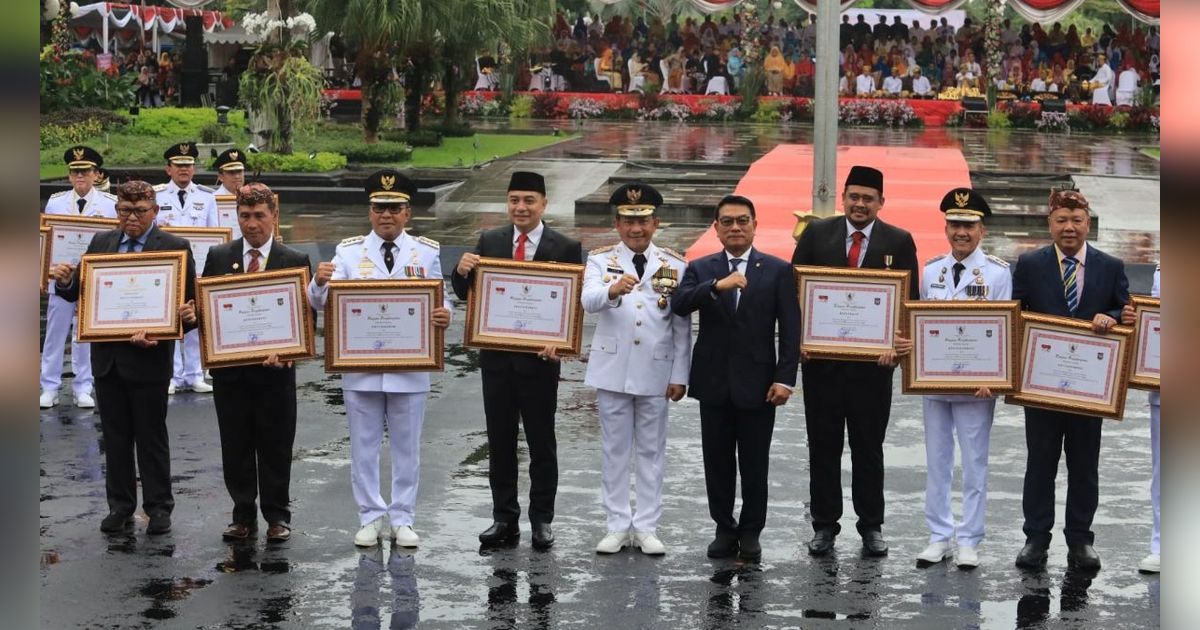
(1144, 369)
(226, 212)
(71, 235)
(43, 257)
(201, 239)
(850, 314)
(247, 317)
(122, 294)
(525, 306)
(960, 346)
(1067, 367)
(383, 325)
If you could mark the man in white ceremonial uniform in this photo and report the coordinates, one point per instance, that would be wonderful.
(183, 202)
(231, 175)
(374, 399)
(639, 360)
(83, 200)
(966, 273)
(1152, 562)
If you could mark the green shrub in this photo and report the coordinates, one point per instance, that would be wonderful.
(108, 119)
(56, 135)
(768, 111)
(380, 153)
(178, 123)
(522, 107)
(1119, 120)
(418, 138)
(998, 120)
(297, 162)
(215, 133)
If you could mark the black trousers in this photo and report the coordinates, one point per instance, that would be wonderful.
(1047, 435)
(133, 419)
(843, 397)
(509, 400)
(258, 429)
(736, 440)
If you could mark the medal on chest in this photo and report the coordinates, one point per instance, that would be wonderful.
(664, 282)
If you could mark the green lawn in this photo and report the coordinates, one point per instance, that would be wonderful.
(461, 151)
(1151, 151)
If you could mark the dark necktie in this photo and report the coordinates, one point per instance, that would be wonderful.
(639, 263)
(1070, 283)
(182, 196)
(855, 249)
(388, 261)
(958, 269)
(129, 245)
(734, 263)
(82, 203)
(253, 266)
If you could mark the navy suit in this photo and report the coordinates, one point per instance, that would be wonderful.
(734, 363)
(1037, 284)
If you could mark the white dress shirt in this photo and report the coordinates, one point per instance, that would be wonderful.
(534, 237)
(864, 84)
(263, 251)
(1081, 256)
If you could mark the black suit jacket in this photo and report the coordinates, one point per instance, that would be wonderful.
(220, 262)
(498, 243)
(130, 362)
(1037, 283)
(734, 359)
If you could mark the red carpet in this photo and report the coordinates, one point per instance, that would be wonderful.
(914, 182)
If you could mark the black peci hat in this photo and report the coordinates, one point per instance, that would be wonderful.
(526, 180)
(865, 176)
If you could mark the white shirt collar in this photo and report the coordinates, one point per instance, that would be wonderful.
(534, 236)
(89, 196)
(1080, 256)
(264, 251)
(174, 188)
(974, 260)
(745, 256)
(850, 230)
(376, 241)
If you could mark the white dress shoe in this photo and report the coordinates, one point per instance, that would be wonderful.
(612, 542)
(967, 557)
(648, 543)
(200, 387)
(1149, 564)
(933, 554)
(47, 400)
(84, 400)
(404, 536)
(171, 389)
(368, 536)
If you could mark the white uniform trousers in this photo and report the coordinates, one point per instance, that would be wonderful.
(404, 414)
(187, 360)
(60, 320)
(972, 421)
(1155, 454)
(632, 427)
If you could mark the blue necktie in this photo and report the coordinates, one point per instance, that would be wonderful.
(1070, 286)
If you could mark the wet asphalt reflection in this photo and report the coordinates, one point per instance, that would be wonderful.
(191, 579)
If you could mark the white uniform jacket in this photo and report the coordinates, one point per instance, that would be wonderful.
(199, 207)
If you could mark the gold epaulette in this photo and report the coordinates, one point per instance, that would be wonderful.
(428, 241)
(353, 240)
(673, 253)
(601, 250)
(160, 188)
(998, 260)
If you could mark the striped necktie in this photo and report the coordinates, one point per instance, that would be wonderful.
(1070, 286)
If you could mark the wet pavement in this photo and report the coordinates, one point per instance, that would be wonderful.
(191, 579)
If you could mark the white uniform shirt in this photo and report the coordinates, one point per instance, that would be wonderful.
(639, 346)
(864, 84)
(361, 258)
(892, 85)
(199, 207)
(983, 277)
(921, 85)
(96, 204)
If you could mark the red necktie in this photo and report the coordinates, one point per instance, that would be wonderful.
(521, 238)
(855, 249)
(253, 266)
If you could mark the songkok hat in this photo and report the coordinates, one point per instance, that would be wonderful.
(636, 200)
(865, 176)
(390, 186)
(230, 160)
(964, 204)
(182, 154)
(526, 180)
(80, 158)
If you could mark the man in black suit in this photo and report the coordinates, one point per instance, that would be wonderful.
(517, 385)
(736, 374)
(132, 376)
(1071, 279)
(852, 397)
(256, 404)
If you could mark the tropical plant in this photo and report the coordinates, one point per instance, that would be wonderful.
(280, 87)
(71, 79)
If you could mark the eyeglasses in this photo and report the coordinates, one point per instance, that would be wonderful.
(857, 197)
(392, 208)
(742, 220)
(141, 212)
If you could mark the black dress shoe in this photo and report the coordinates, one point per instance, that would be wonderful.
(874, 545)
(1032, 556)
(1083, 557)
(116, 522)
(543, 536)
(159, 524)
(821, 543)
(723, 546)
(749, 550)
(500, 533)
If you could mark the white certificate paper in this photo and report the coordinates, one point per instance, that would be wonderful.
(201, 245)
(849, 313)
(227, 217)
(259, 318)
(1068, 366)
(68, 243)
(961, 347)
(131, 296)
(384, 326)
(1148, 345)
(524, 306)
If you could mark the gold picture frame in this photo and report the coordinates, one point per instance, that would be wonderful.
(1147, 317)
(493, 328)
(349, 299)
(1055, 338)
(201, 240)
(126, 275)
(65, 226)
(234, 298)
(838, 287)
(957, 323)
(44, 257)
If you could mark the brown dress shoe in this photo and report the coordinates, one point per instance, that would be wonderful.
(278, 532)
(237, 531)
